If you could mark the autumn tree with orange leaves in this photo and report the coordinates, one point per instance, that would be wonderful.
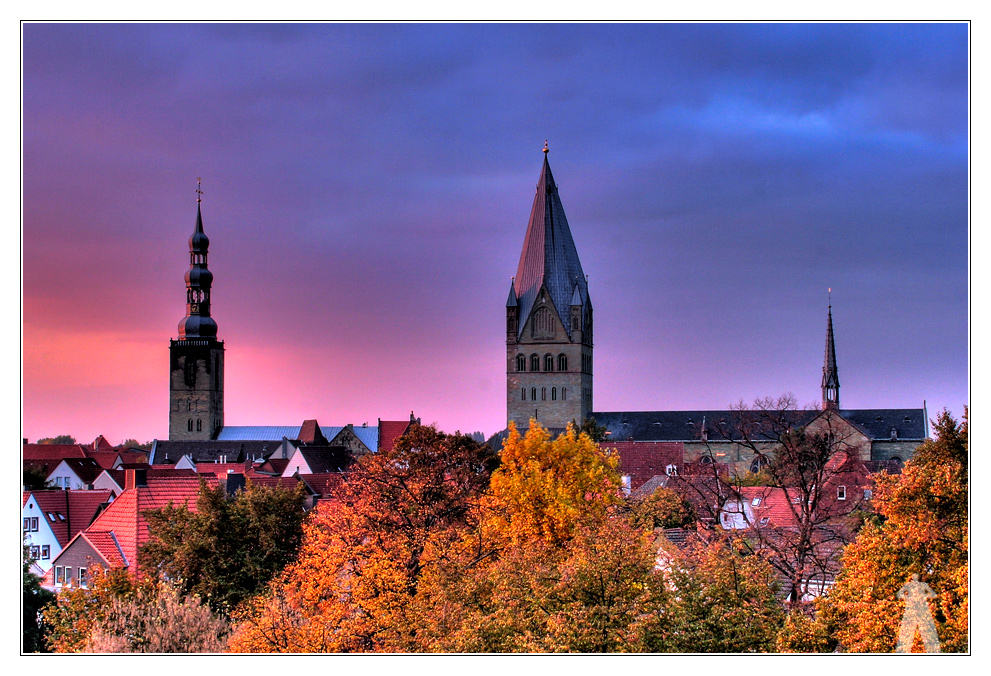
(922, 528)
(364, 554)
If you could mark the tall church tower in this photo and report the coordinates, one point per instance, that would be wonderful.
(196, 359)
(830, 374)
(548, 321)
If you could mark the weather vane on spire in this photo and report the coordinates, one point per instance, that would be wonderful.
(198, 191)
(545, 146)
(829, 295)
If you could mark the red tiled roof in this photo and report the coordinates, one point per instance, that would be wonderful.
(222, 469)
(389, 431)
(642, 460)
(274, 465)
(106, 544)
(73, 510)
(775, 504)
(124, 515)
(56, 452)
(325, 484)
(101, 444)
(309, 433)
(264, 480)
(83, 507)
(86, 469)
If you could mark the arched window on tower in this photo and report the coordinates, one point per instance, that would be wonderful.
(520, 362)
(524, 394)
(199, 425)
(564, 394)
(533, 393)
(534, 362)
(189, 425)
(562, 362)
(553, 394)
(548, 362)
(543, 394)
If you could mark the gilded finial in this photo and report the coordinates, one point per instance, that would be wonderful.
(545, 146)
(829, 296)
(198, 191)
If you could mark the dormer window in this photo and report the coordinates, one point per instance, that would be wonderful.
(756, 501)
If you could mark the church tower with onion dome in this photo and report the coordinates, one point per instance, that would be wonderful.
(196, 358)
(548, 321)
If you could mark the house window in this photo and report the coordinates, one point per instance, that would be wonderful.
(562, 362)
(548, 362)
(68, 575)
(46, 551)
(841, 492)
(534, 362)
(520, 362)
(553, 394)
(626, 484)
(868, 494)
(59, 575)
(27, 524)
(34, 524)
(543, 394)
(83, 578)
(35, 552)
(756, 502)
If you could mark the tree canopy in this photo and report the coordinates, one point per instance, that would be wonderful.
(229, 548)
(922, 528)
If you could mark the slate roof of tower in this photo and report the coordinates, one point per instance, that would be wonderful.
(909, 423)
(549, 257)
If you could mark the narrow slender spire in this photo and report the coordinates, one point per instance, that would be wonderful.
(830, 373)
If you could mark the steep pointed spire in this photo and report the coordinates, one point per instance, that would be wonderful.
(512, 295)
(830, 374)
(549, 257)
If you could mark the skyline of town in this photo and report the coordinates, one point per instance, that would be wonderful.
(366, 192)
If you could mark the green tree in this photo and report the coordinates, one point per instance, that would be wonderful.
(717, 599)
(922, 529)
(35, 479)
(134, 443)
(664, 508)
(34, 599)
(229, 548)
(60, 439)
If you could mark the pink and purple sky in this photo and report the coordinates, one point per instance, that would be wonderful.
(367, 189)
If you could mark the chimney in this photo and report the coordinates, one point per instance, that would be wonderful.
(135, 478)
